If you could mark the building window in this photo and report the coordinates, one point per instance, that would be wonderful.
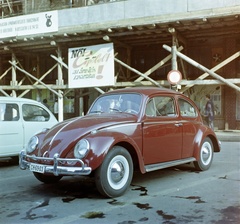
(216, 98)
(198, 95)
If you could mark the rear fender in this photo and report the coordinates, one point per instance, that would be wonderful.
(201, 135)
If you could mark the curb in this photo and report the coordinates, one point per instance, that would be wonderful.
(228, 136)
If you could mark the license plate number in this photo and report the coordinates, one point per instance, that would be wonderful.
(37, 168)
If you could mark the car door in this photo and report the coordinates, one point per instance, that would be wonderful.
(11, 130)
(190, 122)
(162, 131)
(35, 119)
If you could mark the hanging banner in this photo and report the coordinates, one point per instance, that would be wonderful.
(91, 66)
(44, 22)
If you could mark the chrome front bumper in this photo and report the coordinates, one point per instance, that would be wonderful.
(55, 169)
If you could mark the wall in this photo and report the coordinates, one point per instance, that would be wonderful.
(144, 11)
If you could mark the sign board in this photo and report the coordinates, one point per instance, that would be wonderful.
(29, 24)
(174, 77)
(91, 66)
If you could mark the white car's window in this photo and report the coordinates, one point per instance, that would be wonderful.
(161, 106)
(186, 109)
(9, 112)
(128, 102)
(34, 113)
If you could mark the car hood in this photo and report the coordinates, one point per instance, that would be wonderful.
(63, 136)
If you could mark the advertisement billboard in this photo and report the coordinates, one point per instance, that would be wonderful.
(44, 22)
(91, 66)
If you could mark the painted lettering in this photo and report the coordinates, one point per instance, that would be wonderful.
(31, 20)
(85, 76)
(77, 53)
(95, 59)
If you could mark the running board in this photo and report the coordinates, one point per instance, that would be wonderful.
(163, 165)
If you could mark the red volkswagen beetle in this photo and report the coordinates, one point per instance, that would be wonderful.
(133, 128)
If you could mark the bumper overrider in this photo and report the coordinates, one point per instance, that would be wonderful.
(55, 169)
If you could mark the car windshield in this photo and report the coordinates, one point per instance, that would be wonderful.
(124, 102)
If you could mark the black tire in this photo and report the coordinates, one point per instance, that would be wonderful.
(115, 174)
(14, 159)
(205, 155)
(47, 179)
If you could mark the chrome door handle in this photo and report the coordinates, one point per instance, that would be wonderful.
(178, 124)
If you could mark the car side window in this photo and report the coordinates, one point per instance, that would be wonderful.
(150, 108)
(34, 113)
(186, 109)
(161, 106)
(9, 112)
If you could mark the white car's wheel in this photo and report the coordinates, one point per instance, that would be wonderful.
(205, 155)
(114, 175)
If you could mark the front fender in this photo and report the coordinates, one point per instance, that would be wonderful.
(102, 142)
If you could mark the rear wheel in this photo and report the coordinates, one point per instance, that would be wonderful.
(47, 179)
(114, 175)
(205, 155)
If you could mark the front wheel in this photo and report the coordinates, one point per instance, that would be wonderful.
(114, 175)
(205, 155)
(47, 179)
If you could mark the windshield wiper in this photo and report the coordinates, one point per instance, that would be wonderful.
(96, 112)
(115, 109)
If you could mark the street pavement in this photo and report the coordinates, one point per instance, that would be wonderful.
(228, 135)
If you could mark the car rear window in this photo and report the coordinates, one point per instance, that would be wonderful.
(186, 109)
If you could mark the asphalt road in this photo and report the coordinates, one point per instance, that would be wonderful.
(175, 195)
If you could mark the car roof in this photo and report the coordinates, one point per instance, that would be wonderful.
(145, 90)
(17, 99)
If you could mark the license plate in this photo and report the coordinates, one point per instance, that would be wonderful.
(37, 168)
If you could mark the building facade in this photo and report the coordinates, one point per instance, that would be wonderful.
(35, 38)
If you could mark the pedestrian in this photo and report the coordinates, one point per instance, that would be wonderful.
(209, 112)
(45, 103)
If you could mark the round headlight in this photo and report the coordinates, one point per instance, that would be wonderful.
(81, 148)
(32, 144)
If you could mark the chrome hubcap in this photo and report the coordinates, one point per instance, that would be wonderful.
(117, 172)
(206, 153)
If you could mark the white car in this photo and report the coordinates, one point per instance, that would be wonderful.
(20, 119)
